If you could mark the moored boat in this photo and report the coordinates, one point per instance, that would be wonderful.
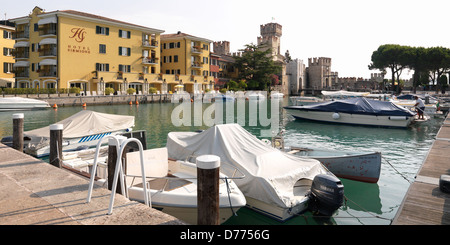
(360, 166)
(173, 186)
(357, 111)
(19, 103)
(276, 184)
(81, 130)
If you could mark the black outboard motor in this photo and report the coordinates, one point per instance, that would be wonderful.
(327, 194)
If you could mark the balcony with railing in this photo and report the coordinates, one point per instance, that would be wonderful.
(22, 53)
(196, 50)
(149, 43)
(149, 61)
(48, 29)
(48, 50)
(25, 34)
(21, 72)
(47, 71)
(197, 65)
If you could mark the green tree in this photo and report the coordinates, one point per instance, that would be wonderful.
(256, 66)
(438, 63)
(393, 57)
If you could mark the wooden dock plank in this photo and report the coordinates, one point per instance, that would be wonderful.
(425, 203)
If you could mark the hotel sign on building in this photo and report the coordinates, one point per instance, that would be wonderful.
(67, 48)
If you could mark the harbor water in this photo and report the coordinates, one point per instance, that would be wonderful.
(403, 151)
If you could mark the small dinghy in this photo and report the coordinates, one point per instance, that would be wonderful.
(360, 166)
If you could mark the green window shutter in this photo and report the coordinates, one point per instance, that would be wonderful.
(120, 50)
(128, 51)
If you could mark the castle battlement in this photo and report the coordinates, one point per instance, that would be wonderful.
(271, 29)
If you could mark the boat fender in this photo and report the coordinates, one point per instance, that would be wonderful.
(336, 116)
(398, 118)
(327, 194)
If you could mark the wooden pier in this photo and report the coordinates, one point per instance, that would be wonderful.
(33, 192)
(425, 203)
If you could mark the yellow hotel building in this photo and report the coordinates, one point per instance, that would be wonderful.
(63, 49)
(188, 58)
(7, 59)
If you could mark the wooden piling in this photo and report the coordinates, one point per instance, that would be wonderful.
(18, 131)
(56, 135)
(208, 190)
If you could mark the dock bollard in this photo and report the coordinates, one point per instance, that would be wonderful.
(112, 160)
(56, 135)
(208, 189)
(18, 131)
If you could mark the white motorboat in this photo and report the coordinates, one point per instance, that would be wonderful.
(81, 130)
(276, 95)
(304, 100)
(172, 186)
(276, 184)
(360, 166)
(357, 111)
(19, 103)
(430, 109)
(255, 95)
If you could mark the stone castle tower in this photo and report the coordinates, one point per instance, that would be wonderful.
(319, 73)
(222, 48)
(271, 37)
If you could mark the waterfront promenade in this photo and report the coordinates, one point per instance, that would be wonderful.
(33, 192)
(425, 203)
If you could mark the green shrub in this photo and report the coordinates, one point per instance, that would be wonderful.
(74, 90)
(109, 91)
(152, 90)
(131, 91)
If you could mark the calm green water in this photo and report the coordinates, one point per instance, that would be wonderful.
(404, 149)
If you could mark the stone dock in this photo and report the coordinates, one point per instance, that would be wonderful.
(33, 192)
(425, 203)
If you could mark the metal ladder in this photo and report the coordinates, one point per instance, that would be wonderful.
(122, 142)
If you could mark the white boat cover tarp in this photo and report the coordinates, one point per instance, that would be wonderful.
(86, 123)
(270, 174)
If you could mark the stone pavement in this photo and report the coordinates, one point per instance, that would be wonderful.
(33, 192)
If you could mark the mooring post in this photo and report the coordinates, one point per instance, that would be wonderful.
(208, 190)
(112, 160)
(18, 131)
(56, 135)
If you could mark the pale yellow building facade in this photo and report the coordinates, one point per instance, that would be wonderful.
(188, 58)
(6, 57)
(63, 49)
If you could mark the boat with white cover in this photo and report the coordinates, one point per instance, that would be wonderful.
(357, 111)
(276, 184)
(81, 130)
(19, 103)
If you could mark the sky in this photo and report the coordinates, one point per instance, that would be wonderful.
(347, 31)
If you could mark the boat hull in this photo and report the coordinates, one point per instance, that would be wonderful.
(19, 104)
(183, 204)
(275, 212)
(353, 119)
(364, 167)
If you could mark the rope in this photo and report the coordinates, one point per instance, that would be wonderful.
(396, 170)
